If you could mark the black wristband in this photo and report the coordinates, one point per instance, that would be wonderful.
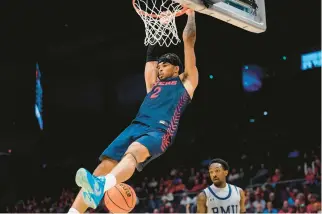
(153, 53)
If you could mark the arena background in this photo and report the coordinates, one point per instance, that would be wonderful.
(91, 57)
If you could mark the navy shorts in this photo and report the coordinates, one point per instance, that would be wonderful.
(155, 140)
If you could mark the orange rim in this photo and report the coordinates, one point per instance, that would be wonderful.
(179, 13)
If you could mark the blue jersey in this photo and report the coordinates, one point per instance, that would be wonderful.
(156, 123)
(164, 105)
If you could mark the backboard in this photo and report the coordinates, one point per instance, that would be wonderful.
(249, 15)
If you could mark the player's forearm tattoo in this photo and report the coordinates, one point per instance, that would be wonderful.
(190, 29)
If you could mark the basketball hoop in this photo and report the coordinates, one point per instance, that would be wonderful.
(159, 20)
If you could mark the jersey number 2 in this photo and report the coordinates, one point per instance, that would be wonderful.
(156, 92)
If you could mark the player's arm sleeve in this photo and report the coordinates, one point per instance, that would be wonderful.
(150, 74)
(189, 38)
(242, 201)
(151, 71)
(201, 203)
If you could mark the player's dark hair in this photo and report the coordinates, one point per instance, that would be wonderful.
(221, 161)
(173, 59)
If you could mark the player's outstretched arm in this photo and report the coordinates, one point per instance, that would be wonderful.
(150, 75)
(190, 75)
(201, 203)
(151, 71)
(242, 201)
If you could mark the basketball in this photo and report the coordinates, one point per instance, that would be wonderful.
(120, 199)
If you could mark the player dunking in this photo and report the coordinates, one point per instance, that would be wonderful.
(169, 90)
(220, 197)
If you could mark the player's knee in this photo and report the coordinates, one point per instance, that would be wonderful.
(105, 166)
(138, 151)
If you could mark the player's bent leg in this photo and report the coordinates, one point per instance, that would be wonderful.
(136, 153)
(96, 186)
(150, 143)
(105, 167)
(102, 169)
(115, 151)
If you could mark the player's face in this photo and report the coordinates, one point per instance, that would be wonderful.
(217, 174)
(166, 70)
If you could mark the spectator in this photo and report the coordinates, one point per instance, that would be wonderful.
(178, 186)
(259, 208)
(270, 208)
(152, 204)
(192, 171)
(173, 172)
(290, 197)
(153, 183)
(193, 206)
(301, 199)
(198, 175)
(141, 191)
(260, 174)
(317, 166)
(272, 199)
(165, 206)
(167, 196)
(259, 200)
(259, 191)
(301, 208)
(265, 198)
(248, 204)
(294, 193)
(312, 199)
(60, 208)
(277, 176)
(233, 176)
(285, 208)
(309, 174)
(191, 178)
(167, 182)
(185, 200)
(197, 186)
(161, 183)
(317, 207)
(297, 202)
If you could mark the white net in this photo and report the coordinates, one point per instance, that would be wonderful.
(159, 20)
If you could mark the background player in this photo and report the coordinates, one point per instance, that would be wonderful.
(220, 197)
(155, 126)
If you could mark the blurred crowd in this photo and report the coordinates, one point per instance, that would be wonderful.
(267, 190)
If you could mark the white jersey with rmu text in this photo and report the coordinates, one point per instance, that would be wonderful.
(223, 200)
